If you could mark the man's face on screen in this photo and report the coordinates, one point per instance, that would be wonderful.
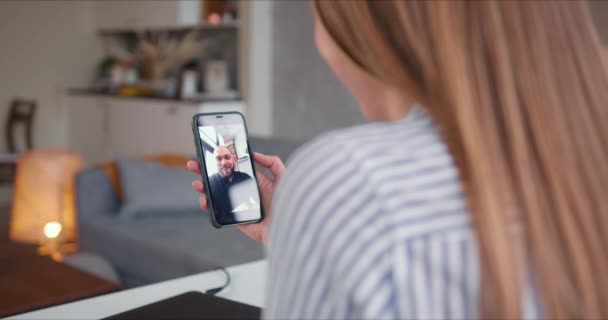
(225, 161)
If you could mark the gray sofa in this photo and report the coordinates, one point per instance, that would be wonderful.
(149, 250)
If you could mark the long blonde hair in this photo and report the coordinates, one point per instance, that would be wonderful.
(520, 92)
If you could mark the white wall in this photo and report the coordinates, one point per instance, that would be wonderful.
(47, 47)
(256, 63)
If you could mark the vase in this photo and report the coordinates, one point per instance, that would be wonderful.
(216, 77)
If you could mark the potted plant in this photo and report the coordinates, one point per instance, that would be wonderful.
(162, 56)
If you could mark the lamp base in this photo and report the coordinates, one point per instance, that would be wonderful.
(56, 250)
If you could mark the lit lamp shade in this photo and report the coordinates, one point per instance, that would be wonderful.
(44, 193)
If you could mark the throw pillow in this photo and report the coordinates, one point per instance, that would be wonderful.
(154, 189)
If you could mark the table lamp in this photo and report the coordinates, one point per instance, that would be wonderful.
(43, 209)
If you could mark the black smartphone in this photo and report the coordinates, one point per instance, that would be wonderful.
(222, 148)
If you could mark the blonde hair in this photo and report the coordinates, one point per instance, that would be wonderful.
(519, 90)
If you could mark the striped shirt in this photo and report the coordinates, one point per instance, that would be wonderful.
(370, 222)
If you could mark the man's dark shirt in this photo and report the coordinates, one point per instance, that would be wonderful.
(220, 191)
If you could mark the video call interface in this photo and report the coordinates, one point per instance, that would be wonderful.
(232, 185)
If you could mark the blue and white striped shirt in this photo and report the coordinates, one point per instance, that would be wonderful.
(371, 222)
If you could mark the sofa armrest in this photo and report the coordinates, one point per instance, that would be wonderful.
(273, 146)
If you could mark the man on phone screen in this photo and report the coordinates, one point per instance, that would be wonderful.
(233, 191)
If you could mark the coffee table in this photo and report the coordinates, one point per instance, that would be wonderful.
(29, 281)
(247, 285)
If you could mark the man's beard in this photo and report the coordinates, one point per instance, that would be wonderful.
(227, 171)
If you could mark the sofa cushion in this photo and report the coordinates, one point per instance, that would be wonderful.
(95, 195)
(167, 159)
(152, 250)
(154, 189)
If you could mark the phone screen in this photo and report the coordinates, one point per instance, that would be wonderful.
(231, 182)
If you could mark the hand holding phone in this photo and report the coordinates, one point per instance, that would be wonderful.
(231, 185)
(267, 185)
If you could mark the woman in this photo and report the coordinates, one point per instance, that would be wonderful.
(488, 201)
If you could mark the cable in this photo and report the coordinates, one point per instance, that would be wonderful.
(214, 291)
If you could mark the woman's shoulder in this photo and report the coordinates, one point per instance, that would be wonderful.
(414, 138)
(374, 188)
(399, 169)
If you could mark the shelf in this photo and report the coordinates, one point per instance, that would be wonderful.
(201, 27)
(88, 92)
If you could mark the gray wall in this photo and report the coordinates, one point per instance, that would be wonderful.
(307, 97)
(599, 12)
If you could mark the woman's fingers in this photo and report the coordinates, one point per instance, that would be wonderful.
(193, 166)
(203, 203)
(262, 176)
(198, 186)
(272, 163)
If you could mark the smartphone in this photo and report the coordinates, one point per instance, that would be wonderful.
(222, 148)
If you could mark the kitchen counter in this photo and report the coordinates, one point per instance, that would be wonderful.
(91, 92)
(105, 127)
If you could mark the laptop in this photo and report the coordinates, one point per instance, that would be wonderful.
(192, 305)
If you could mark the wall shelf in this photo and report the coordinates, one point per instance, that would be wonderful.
(201, 27)
(160, 99)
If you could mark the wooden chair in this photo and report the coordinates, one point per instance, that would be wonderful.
(20, 117)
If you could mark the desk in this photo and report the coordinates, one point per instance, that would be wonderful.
(248, 285)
